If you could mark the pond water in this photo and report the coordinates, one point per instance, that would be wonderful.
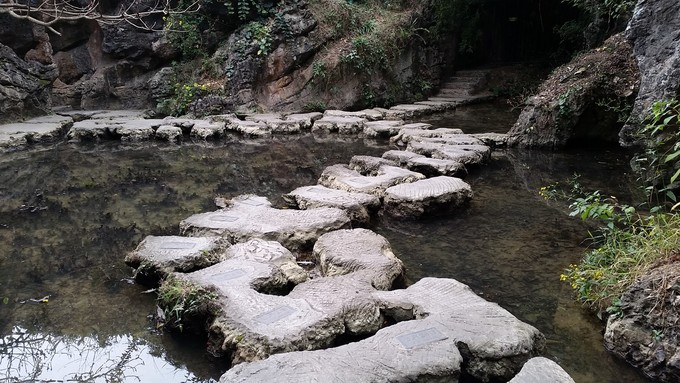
(69, 214)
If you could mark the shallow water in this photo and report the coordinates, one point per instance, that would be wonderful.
(69, 213)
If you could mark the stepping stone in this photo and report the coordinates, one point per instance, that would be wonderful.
(255, 320)
(368, 165)
(341, 125)
(433, 196)
(369, 255)
(373, 114)
(413, 110)
(431, 167)
(383, 129)
(407, 133)
(169, 133)
(40, 129)
(306, 120)
(276, 124)
(341, 177)
(183, 123)
(249, 128)
(118, 114)
(437, 321)
(358, 206)
(448, 139)
(251, 216)
(89, 130)
(494, 140)
(156, 257)
(400, 156)
(437, 106)
(467, 154)
(368, 114)
(449, 100)
(392, 114)
(207, 130)
(542, 370)
(137, 130)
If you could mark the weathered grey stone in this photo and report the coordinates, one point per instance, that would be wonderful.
(358, 206)
(137, 130)
(368, 114)
(306, 120)
(433, 196)
(118, 114)
(207, 130)
(436, 167)
(409, 132)
(541, 370)
(493, 140)
(156, 257)
(249, 128)
(449, 139)
(276, 124)
(341, 125)
(183, 123)
(401, 157)
(342, 177)
(368, 165)
(358, 251)
(467, 154)
(392, 114)
(253, 324)
(383, 128)
(88, 130)
(169, 133)
(412, 110)
(449, 321)
(437, 105)
(36, 130)
(253, 217)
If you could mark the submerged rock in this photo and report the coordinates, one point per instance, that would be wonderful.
(358, 206)
(251, 216)
(432, 196)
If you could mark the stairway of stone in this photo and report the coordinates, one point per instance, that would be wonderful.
(464, 87)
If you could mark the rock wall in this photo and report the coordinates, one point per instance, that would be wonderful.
(554, 116)
(654, 32)
(24, 86)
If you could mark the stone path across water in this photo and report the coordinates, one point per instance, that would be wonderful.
(278, 321)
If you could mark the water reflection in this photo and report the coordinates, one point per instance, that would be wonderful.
(29, 356)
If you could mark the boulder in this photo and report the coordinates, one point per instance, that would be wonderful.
(433, 196)
(342, 177)
(646, 333)
(249, 216)
(358, 206)
(541, 370)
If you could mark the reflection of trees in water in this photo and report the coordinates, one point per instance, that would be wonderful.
(29, 357)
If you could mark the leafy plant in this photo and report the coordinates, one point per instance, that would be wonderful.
(183, 301)
(184, 95)
(659, 164)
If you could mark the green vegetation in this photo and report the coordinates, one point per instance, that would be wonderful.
(183, 302)
(184, 95)
(630, 242)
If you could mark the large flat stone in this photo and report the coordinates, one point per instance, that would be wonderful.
(276, 123)
(369, 165)
(541, 370)
(433, 196)
(249, 128)
(341, 177)
(339, 124)
(429, 167)
(306, 120)
(467, 154)
(358, 206)
(383, 128)
(413, 110)
(36, 130)
(408, 133)
(156, 257)
(440, 323)
(494, 140)
(250, 216)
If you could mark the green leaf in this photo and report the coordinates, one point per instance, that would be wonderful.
(672, 156)
(5, 300)
(675, 176)
(671, 196)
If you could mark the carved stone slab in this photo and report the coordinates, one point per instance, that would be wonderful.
(342, 177)
(358, 206)
(433, 196)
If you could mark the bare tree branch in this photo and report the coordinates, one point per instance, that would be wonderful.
(49, 12)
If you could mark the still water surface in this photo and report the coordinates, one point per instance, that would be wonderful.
(69, 214)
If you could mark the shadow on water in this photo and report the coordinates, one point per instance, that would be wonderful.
(70, 213)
